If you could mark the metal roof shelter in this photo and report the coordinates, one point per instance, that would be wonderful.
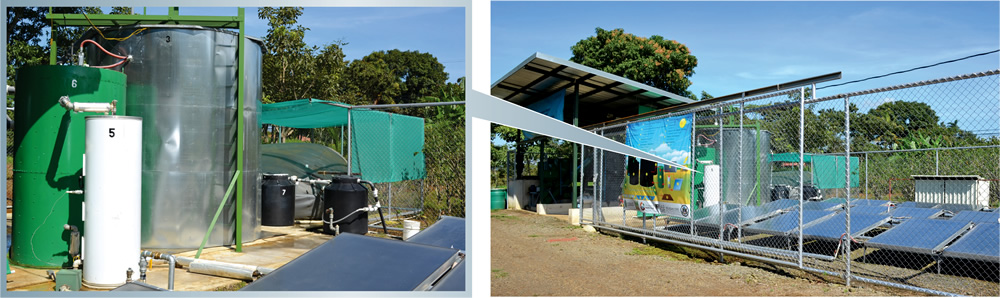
(601, 96)
(592, 96)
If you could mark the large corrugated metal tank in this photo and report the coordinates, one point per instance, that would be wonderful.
(181, 82)
(756, 166)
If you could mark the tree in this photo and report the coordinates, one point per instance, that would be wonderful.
(654, 61)
(371, 81)
(287, 62)
(394, 76)
(420, 73)
(25, 32)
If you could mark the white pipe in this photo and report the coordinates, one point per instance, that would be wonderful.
(10, 89)
(94, 107)
(237, 271)
(213, 267)
(311, 181)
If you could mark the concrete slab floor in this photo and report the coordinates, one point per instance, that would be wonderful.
(277, 246)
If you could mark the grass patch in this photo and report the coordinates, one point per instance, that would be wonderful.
(532, 236)
(503, 216)
(232, 287)
(651, 251)
(499, 273)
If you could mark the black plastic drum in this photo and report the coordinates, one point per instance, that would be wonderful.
(345, 195)
(277, 200)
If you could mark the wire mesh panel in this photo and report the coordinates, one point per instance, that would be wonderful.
(931, 148)
(877, 170)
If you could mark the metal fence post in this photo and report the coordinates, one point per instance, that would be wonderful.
(937, 162)
(694, 140)
(583, 150)
(739, 191)
(722, 175)
(802, 150)
(595, 202)
(847, 185)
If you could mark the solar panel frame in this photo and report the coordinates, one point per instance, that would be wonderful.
(935, 234)
(916, 204)
(867, 209)
(703, 212)
(867, 202)
(821, 205)
(915, 212)
(781, 204)
(832, 227)
(454, 280)
(751, 214)
(786, 223)
(448, 232)
(976, 216)
(969, 246)
(957, 207)
(340, 264)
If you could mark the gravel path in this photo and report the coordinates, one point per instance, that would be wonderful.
(535, 255)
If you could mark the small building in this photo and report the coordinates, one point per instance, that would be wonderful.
(970, 190)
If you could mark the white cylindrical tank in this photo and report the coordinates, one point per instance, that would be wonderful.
(112, 190)
(713, 185)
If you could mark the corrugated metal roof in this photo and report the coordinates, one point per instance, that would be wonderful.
(541, 75)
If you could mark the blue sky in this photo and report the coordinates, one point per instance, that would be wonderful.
(436, 30)
(747, 45)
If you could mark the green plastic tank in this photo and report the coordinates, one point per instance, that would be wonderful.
(48, 157)
(498, 198)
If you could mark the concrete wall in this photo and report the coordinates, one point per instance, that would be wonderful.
(517, 193)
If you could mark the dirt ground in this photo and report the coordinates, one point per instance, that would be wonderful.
(536, 255)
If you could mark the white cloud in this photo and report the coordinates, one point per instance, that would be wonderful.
(670, 154)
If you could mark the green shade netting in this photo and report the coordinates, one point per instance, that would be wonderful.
(385, 147)
(829, 169)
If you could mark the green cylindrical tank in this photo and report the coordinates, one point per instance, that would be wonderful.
(498, 198)
(48, 157)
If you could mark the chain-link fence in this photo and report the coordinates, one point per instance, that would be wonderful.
(426, 168)
(896, 186)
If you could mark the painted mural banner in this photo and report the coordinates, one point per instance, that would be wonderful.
(658, 189)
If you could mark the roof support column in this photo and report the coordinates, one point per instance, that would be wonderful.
(576, 150)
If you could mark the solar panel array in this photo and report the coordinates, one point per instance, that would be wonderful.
(956, 231)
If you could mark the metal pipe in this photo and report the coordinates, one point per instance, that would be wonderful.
(74, 241)
(410, 105)
(162, 256)
(10, 89)
(142, 268)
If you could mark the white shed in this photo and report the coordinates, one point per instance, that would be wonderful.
(956, 189)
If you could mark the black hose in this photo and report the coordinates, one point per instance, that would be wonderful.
(382, 219)
(380, 216)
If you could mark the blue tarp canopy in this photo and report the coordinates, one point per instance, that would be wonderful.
(385, 147)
